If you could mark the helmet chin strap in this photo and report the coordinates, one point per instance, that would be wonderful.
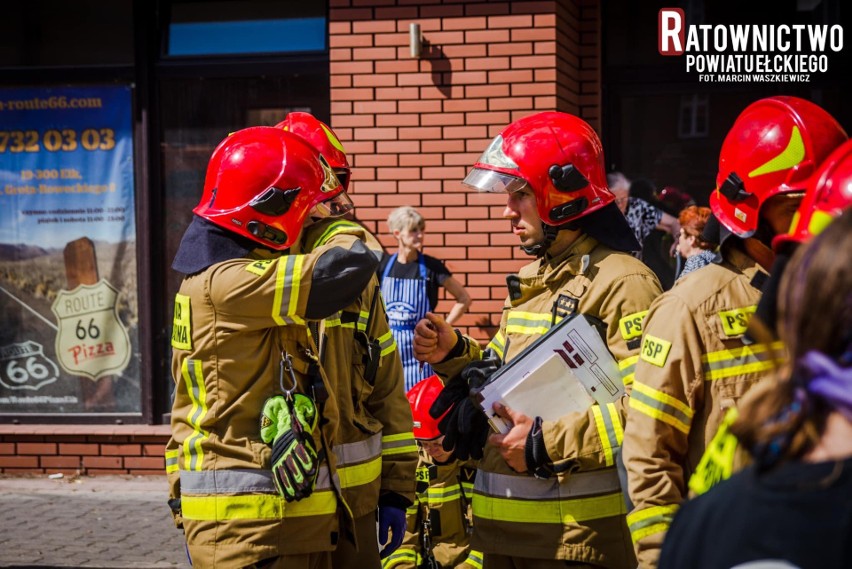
(550, 231)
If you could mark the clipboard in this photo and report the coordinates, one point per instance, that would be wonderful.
(566, 370)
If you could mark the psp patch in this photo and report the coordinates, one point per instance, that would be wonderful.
(182, 324)
(259, 267)
(566, 305)
(655, 350)
(631, 325)
(735, 322)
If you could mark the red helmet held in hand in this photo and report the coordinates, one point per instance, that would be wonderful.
(828, 195)
(558, 155)
(773, 148)
(321, 137)
(263, 182)
(421, 397)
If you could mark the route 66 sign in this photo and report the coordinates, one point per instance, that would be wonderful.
(24, 366)
(91, 340)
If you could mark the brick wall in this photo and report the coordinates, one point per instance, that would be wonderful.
(413, 127)
(83, 449)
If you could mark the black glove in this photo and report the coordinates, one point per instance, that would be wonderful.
(464, 424)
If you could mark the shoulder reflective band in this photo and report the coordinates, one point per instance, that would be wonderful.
(528, 323)
(627, 367)
(631, 325)
(717, 463)
(288, 279)
(757, 358)
(661, 406)
(387, 344)
(583, 496)
(655, 350)
(649, 521)
(193, 455)
(172, 461)
(341, 226)
(735, 322)
(498, 344)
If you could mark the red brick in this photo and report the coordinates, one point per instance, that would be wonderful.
(465, 159)
(398, 93)
(443, 146)
(464, 23)
(362, 94)
(443, 92)
(18, 462)
(462, 51)
(362, 107)
(421, 160)
(436, 198)
(545, 103)
(102, 462)
(470, 266)
(395, 39)
(375, 160)
(339, 28)
(54, 462)
(533, 62)
(514, 21)
(340, 81)
(487, 8)
(36, 448)
(351, 67)
(398, 200)
(340, 54)
(398, 174)
(438, 11)
(534, 34)
(406, 65)
(105, 471)
(78, 448)
(488, 36)
(511, 76)
(510, 103)
(513, 48)
(409, 79)
(121, 450)
(473, 131)
(151, 449)
(396, 13)
(419, 133)
(20, 471)
(443, 119)
(375, 133)
(7, 448)
(545, 20)
(520, 89)
(145, 463)
(375, 81)
(373, 26)
(384, 147)
(420, 106)
(352, 40)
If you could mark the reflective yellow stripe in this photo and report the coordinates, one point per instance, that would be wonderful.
(548, 511)
(651, 520)
(255, 506)
(172, 461)
(604, 432)
(332, 230)
(792, 155)
(360, 474)
(398, 444)
(287, 282)
(519, 322)
(197, 392)
(441, 495)
(748, 359)
(401, 555)
(627, 367)
(474, 559)
(661, 406)
(387, 343)
(498, 344)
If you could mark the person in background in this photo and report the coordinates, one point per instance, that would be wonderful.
(374, 447)
(249, 464)
(642, 216)
(410, 281)
(547, 493)
(439, 522)
(695, 362)
(793, 506)
(690, 245)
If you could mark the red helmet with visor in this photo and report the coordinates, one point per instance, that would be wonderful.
(773, 148)
(321, 137)
(263, 182)
(558, 155)
(829, 194)
(421, 397)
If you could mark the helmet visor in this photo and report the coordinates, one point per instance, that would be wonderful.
(337, 206)
(483, 180)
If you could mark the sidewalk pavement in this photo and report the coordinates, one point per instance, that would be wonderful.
(90, 521)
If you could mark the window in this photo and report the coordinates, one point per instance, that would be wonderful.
(694, 116)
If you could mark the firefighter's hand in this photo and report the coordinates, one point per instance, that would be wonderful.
(287, 425)
(512, 445)
(434, 337)
(393, 519)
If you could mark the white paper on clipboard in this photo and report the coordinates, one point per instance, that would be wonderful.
(568, 369)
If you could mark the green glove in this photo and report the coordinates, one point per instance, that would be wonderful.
(287, 424)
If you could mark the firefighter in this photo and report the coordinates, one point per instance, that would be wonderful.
(547, 492)
(374, 446)
(439, 523)
(694, 362)
(254, 416)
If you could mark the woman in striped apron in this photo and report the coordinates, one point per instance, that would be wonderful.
(410, 282)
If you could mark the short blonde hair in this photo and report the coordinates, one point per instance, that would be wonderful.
(405, 217)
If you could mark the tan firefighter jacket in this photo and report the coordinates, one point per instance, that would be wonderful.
(232, 323)
(374, 445)
(693, 366)
(444, 493)
(577, 515)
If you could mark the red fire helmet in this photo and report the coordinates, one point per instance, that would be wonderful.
(827, 196)
(774, 147)
(262, 182)
(558, 155)
(421, 397)
(321, 137)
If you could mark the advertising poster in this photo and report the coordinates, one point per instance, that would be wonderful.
(68, 293)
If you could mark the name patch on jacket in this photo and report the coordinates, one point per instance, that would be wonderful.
(259, 267)
(735, 322)
(655, 350)
(182, 326)
(631, 325)
(566, 305)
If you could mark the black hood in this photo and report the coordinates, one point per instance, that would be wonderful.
(609, 226)
(205, 244)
